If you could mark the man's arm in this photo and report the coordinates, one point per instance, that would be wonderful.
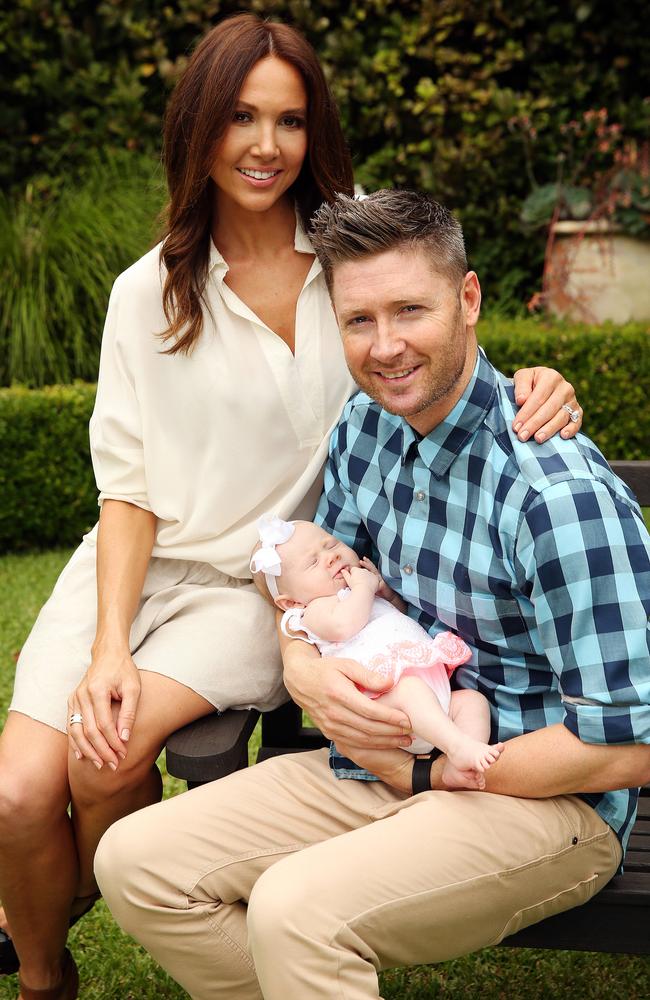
(326, 689)
(539, 765)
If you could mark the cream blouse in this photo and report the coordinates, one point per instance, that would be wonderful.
(211, 441)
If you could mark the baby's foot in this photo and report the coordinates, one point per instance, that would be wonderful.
(472, 755)
(454, 777)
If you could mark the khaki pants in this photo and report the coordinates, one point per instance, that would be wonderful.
(283, 882)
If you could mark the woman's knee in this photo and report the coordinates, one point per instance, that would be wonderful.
(91, 786)
(27, 803)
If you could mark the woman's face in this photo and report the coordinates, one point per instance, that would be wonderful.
(263, 148)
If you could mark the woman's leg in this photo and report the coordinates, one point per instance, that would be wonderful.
(99, 798)
(38, 859)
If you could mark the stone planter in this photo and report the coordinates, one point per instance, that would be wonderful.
(595, 273)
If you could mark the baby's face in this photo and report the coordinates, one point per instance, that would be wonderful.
(312, 561)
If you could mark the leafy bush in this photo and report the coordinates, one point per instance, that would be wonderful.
(427, 91)
(58, 260)
(47, 491)
(609, 367)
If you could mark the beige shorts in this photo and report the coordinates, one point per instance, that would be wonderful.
(206, 630)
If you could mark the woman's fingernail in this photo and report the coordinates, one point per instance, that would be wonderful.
(97, 765)
(121, 755)
(405, 743)
(124, 735)
(77, 755)
(112, 766)
(541, 437)
(524, 435)
(517, 426)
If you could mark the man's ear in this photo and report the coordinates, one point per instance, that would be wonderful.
(471, 298)
(284, 602)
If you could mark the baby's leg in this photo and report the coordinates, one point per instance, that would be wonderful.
(470, 711)
(463, 744)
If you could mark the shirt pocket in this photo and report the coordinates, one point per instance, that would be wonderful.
(480, 620)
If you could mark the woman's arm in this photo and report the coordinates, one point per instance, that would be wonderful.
(124, 544)
(541, 393)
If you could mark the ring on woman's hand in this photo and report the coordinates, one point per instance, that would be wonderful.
(75, 718)
(574, 415)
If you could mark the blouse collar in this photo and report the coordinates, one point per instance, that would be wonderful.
(301, 243)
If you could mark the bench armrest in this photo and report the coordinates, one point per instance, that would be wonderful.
(211, 747)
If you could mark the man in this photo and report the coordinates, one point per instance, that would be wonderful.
(293, 879)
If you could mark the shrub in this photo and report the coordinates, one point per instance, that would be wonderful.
(427, 91)
(47, 491)
(609, 367)
(58, 259)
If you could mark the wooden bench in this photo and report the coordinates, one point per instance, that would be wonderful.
(611, 922)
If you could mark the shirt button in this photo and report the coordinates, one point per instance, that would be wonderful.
(420, 495)
(408, 569)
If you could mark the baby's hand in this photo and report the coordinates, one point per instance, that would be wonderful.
(383, 590)
(357, 576)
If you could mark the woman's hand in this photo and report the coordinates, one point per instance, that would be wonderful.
(326, 690)
(542, 393)
(107, 700)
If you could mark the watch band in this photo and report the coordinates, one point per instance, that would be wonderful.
(421, 776)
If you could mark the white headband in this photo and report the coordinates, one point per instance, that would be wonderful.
(272, 531)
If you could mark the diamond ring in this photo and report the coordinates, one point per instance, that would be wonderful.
(574, 415)
(76, 718)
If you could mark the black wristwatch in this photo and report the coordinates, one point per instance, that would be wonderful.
(421, 776)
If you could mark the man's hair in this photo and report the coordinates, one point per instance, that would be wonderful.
(352, 228)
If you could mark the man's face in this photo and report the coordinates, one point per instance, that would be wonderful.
(408, 332)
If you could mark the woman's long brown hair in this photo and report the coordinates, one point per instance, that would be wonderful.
(200, 110)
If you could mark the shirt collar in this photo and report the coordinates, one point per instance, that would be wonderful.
(301, 243)
(440, 447)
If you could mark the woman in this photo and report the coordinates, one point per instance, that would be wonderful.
(221, 378)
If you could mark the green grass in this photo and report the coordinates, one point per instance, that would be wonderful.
(112, 967)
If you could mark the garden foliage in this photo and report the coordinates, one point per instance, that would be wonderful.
(47, 493)
(428, 90)
(58, 260)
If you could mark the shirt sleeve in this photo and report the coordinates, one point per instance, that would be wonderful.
(115, 426)
(337, 511)
(585, 553)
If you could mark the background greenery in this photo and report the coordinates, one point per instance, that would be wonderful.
(430, 92)
(112, 967)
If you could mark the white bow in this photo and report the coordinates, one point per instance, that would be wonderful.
(272, 531)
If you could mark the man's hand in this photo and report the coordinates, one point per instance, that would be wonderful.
(393, 767)
(326, 689)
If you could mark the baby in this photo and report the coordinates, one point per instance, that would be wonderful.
(340, 603)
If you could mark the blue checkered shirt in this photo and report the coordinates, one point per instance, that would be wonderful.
(536, 555)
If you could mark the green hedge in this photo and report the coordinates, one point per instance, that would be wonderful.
(427, 90)
(608, 365)
(47, 491)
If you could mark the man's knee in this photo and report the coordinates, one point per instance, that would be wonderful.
(276, 907)
(118, 869)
